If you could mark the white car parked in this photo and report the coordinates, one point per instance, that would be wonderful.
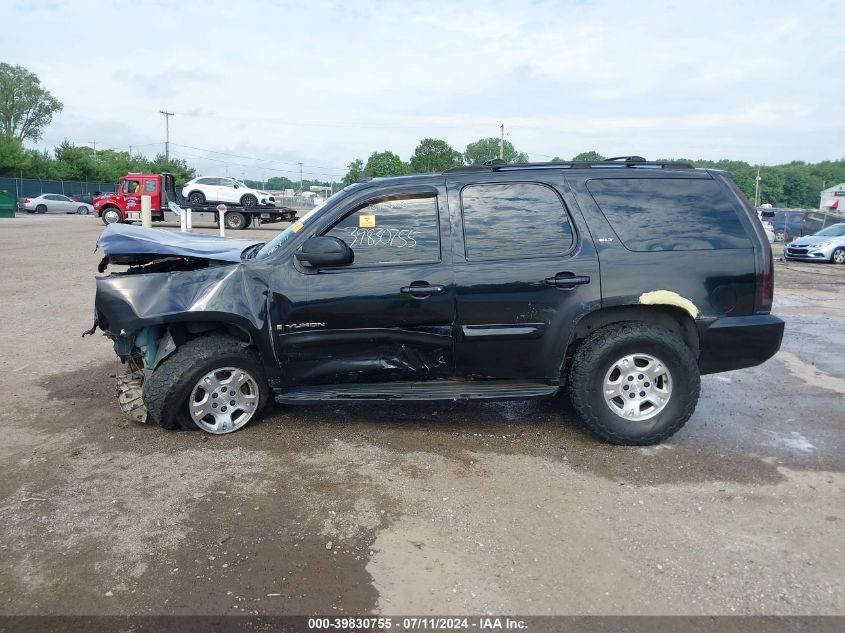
(55, 203)
(226, 190)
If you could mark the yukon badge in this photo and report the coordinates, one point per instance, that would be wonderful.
(299, 326)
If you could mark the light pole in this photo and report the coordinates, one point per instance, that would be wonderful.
(167, 116)
(300, 179)
(757, 188)
(502, 142)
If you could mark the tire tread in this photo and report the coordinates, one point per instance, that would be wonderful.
(165, 389)
(581, 376)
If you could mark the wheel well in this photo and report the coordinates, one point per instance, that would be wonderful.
(670, 317)
(184, 331)
(193, 191)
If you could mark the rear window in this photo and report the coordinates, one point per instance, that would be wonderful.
(669, 214)
(513, 221)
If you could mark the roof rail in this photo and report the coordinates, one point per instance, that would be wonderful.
(627, 159)
(619, 161)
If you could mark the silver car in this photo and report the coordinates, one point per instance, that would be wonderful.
(828, 245)
(55, 203)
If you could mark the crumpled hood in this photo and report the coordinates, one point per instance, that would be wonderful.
(127, 244)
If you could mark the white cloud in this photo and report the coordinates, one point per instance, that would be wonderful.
(329, 82)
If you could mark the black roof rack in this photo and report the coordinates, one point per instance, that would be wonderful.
(618, 161)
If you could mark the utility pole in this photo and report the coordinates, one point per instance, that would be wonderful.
(502, 142)
(94, 145)
(300, 179)
(167, 116)
(757, 188)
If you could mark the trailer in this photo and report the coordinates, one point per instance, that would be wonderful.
(125, 204)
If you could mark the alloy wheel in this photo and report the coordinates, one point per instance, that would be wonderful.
(224, 400)
(637, 387)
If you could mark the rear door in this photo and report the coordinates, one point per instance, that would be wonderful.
(525, 271)
(389, 315)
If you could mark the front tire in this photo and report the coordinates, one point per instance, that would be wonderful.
(111, 216)
(838, 255)
(82, 211)
(206, 371)
(249, 201)
(634, 383)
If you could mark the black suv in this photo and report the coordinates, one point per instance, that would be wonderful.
(623, 280)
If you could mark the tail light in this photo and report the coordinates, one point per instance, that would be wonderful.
(765, 284)
(26, 200)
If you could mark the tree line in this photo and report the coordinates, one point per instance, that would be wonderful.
(795, 185)
(79, 162)
(26, 108)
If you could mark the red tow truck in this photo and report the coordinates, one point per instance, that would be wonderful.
(125, 204)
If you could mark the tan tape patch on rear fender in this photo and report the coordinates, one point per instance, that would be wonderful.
(669, 298)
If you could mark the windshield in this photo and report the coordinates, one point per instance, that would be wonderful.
(276, 243)
(837, 230)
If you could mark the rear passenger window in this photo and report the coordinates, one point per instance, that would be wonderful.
(669, 214)
(395, 229)
(514, 221)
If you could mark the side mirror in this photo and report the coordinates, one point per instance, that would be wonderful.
(323, 250)
(236, 187)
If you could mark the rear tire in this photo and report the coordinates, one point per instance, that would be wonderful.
(591, 381)
(168, 389)
(838, 256)
(41, 209)
(235, 221)
(196, 197)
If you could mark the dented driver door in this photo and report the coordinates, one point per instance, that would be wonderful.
(389, 315)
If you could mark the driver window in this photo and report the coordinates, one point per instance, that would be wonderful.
(394, 229)
(131, 186)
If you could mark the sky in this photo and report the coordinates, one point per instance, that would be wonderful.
(257, 87)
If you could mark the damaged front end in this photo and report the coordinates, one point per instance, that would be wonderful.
(176, 287)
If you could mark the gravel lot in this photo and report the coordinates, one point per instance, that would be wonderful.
(442, 508)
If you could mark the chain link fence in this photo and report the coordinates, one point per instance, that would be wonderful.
(31, 187)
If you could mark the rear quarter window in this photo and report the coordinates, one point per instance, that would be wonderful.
(669, 214)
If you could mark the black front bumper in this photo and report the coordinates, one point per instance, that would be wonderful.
(737, 342)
